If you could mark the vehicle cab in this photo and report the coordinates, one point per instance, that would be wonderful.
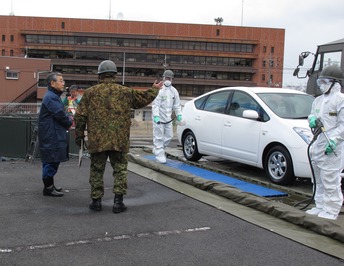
(326, 55)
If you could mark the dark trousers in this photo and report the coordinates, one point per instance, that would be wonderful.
(49, 169)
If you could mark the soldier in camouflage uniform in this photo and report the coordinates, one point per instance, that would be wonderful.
(105, 110)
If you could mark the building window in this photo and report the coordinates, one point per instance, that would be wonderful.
(10, 74)
(101, 41)
(11, 52)
(3, 52)
(263, 77)
(272, 49)
(62, 25)
(12, 38)
(147, 116)
(3, 38)
(264, 63)
(264, 49)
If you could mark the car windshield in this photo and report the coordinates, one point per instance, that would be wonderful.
(288, 105)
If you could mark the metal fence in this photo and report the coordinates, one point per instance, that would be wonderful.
(19, 108)
(17, 131)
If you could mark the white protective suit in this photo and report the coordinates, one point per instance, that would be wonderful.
(329, 108)
(167, 101)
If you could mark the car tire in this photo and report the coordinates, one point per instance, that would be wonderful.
(190, 149)
(278, 166)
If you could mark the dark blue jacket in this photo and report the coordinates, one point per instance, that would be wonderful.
(53, 123)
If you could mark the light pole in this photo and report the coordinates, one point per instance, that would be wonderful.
(123, 72)
(165, 65)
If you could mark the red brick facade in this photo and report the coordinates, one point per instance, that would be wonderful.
(266, 56)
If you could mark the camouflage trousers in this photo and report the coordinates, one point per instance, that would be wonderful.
(119, 163)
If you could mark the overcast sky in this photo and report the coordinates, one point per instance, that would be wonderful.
(308, 23)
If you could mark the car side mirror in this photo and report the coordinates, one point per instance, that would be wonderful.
(250, 114)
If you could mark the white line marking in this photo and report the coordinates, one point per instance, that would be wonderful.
(107, 238)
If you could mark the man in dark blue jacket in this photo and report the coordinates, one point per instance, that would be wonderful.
(53, 125)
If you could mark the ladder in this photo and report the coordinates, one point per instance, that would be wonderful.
(33, 147)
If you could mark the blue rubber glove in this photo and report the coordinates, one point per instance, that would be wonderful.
(330, 146)
(312, 122)
(156, 119)
(179, 118)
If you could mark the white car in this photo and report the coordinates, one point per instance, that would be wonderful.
(262, 127)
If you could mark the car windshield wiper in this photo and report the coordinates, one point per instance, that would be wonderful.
(301, 117)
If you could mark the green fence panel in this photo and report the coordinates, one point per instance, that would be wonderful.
(15, 134)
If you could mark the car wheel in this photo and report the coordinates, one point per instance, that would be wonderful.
(278, 166)
(190, 149)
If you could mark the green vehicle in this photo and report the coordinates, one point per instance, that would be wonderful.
(326, 55)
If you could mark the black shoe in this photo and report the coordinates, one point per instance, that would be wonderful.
(96, 205)
(58, 189)
(51, 192)
(118, 205)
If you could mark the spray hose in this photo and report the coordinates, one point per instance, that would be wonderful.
(316, 132)
(164, 123)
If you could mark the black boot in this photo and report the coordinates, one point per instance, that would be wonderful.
(59, 189)
(49, 189)
(96, 205)
(118, 205)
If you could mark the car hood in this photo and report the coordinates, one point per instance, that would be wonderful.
(297, 122)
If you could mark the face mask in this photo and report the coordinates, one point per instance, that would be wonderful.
(167, 83)
(324, 84)
(325, 87)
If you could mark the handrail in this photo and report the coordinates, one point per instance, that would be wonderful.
(19, 99)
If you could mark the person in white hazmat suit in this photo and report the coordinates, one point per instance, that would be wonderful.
(164, 104)
(327, 151)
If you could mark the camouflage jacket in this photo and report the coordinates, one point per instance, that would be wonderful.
(105, 110)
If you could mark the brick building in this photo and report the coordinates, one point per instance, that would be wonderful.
(203, 57)
(19, 78)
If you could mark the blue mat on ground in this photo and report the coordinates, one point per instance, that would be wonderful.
(209, 175)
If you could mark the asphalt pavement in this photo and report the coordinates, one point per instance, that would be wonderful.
(167, 222)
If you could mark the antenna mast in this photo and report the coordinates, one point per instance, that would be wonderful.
(11, 14)
(242, 12)
(110, 9)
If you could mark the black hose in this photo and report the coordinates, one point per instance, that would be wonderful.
(316, 132)
(164, 123)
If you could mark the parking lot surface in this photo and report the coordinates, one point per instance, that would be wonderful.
(168, 222)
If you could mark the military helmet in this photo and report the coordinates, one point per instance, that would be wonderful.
(107, 66)
(169, 74)
(332, 72)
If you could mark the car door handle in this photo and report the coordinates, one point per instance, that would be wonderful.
(228, 124)
(197, 118)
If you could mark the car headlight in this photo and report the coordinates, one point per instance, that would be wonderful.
(304, 133)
